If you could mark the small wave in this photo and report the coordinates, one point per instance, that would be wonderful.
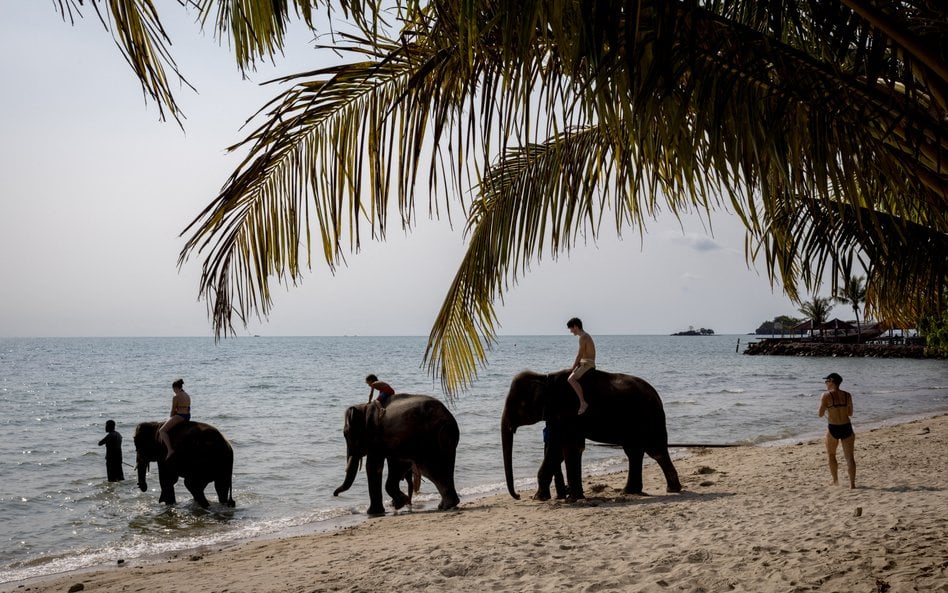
(482, 490)
(147, 542)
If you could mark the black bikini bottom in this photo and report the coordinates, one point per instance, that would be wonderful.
(841, 431)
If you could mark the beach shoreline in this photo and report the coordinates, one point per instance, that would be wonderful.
(750, 519)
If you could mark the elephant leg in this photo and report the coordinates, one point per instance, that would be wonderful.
(167, 479)
(634, 483)
(559, 483)
(449, 496)
(409, 482)
(573, 456)
(397, 471)
(663, 458)
(441, 474)
(196, 488)
(550, 470)
(167, 496)
(543, 484)
(374, 465)
(222, 487)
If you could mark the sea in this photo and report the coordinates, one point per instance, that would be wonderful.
(281, 401)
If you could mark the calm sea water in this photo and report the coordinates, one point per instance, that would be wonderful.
(281, 402)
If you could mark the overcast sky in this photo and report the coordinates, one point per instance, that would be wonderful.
(96, 191)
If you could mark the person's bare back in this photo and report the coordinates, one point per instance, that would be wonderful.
(585, 360)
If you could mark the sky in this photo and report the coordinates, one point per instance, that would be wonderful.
(96, 191)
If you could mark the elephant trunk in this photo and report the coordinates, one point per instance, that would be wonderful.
(142, 467)
(506, 434)
(352, 468)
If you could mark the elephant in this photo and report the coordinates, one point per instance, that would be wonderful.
(408, 429)
(623, 410)
(201, 455)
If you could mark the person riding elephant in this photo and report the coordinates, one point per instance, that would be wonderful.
(202, 455)
(409, 429)
(623, 410)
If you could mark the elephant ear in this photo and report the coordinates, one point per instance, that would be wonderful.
(558, 397)
(543, 390)
(355, 430)
(374, 414)
(373, 418)
(355, 421)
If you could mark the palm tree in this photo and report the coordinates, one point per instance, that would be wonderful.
(817, 310)
(821, 124)
(852, 293)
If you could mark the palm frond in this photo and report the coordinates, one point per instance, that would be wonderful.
(825, 132)
(335, 146)
(257, 30)
(807, 239)
(143, 42)
(542, 199)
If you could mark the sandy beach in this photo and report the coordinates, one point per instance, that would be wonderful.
(762, 519)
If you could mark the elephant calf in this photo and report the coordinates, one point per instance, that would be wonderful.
(409, 429)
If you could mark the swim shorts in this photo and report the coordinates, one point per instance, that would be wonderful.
(584, 365)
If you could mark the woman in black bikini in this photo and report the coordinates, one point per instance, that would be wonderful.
(838, 407)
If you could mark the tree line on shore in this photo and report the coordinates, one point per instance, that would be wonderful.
(851, 292)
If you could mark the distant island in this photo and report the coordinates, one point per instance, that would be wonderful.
(695, 332)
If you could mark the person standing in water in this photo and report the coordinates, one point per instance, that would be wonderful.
(838, 407)
(113, 452)
(585, 359)
(180, 412)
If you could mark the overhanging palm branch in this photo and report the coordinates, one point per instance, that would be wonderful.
(545, 198)
(309, 154)
(766, 104)
(254, 29)
(144, 44)
(869, 136)
(808, 236)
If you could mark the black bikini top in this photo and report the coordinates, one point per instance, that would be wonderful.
(833, 403)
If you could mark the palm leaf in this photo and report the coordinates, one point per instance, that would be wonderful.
(760, 108)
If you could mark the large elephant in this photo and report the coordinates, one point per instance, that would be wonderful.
(623, 410)
(408, 429)
(201, 455)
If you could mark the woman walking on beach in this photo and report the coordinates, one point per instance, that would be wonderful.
(838, 407)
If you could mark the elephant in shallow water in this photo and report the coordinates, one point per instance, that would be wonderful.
(201, 455)
(623, 410)
(408, 429)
